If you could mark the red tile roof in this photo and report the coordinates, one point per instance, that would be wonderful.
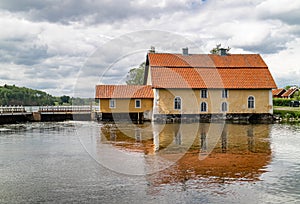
(206, 61)
(289, 92)
(123, 91)
(278, 92)
(210, 71)
(212, 78)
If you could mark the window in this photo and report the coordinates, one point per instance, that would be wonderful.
(250, 102)
(177, 103)
(225, 93)
(224, 107)
(204, 93)
(137, 103)
(112, 103)
(203, 107)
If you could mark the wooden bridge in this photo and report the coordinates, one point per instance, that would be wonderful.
(12, 114)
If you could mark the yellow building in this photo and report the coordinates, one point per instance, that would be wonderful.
(206, 85)
(194, 86)
(124, 102)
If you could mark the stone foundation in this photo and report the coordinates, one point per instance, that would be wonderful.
(234, 118)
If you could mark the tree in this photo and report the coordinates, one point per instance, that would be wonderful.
(65, 99)
(13, 95)
(216, 49)
(135, 76)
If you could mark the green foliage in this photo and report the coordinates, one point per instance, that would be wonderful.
(216, 49)
(13, 95)
(82, 101)
(64, 99)
(282, 101)
(287, 113)
(135, 76)
(296, 96)
(287, 87)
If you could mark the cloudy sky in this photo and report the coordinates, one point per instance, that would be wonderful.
(66, 47)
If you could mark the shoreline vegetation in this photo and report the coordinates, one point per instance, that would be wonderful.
(287, 114)
(11, 95)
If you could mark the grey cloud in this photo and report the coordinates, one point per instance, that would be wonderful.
(46, 72)
(44, 85)
(287, 81)
(31, 55)
(18, 51)
(65, 11)
(270, 45)
(117, 56)
(290, 16)
(4, 76)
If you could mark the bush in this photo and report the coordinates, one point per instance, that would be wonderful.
(282, 101)
(287, 113)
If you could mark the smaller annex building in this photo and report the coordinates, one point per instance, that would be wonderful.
(201, 86)
(282, 93)
(124, 102)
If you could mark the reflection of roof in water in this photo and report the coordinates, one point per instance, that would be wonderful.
(241, 152)
(128, 137)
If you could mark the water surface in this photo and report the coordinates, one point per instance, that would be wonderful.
(173, 163)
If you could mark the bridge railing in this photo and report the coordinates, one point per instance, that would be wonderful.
(12, 109)
(66, 109)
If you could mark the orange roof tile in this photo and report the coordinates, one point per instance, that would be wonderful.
(278, 92)
(123, 91)
(205, 60)
(237, 71)
(289, 92)
(212, 78)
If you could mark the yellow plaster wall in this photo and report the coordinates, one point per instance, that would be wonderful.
(189, 101)
(125, 106)
(237, 101)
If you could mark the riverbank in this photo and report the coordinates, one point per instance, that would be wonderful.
(287, 114)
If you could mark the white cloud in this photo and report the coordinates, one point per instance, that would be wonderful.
(54, 41)
(285, 10)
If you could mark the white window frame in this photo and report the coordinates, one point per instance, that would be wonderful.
(224, 93)
(174, 103)
(206, 108)
(139, 101)
(206, 94)
(252, 102)
(112, 101)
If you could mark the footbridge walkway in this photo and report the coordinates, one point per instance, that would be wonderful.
(13, 114)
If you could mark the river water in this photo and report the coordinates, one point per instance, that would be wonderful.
(65, 162)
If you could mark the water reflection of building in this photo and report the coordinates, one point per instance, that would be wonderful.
(197, 150)
(230, 151)
(127, 136)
